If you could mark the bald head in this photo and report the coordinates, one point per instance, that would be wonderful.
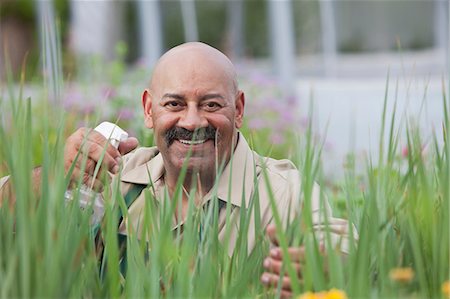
(194, 89)
(192, 59)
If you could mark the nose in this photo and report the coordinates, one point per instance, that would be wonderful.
(192, 119)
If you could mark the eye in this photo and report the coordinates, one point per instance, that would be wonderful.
(212, 106)
(173, 105)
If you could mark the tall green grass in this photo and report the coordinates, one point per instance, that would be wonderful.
(47, 247)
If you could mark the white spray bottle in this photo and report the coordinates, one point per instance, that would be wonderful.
(87, 196)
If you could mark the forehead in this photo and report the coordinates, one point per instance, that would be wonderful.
(192, 72)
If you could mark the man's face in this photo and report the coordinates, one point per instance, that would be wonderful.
(194, 109)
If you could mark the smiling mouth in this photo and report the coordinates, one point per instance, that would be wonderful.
(192, 142)
(189, 137)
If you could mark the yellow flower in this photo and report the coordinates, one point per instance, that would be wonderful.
(401, 274)
(446, 288)
(307, 295)
(331, 294)
(335, 294)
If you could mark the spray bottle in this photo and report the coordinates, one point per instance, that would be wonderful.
(87, 196)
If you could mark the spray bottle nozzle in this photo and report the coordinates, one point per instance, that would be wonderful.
(112, 132)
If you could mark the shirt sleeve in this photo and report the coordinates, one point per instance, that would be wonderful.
(3, 191)
(291, 204)
(3, 181)
(340, 231)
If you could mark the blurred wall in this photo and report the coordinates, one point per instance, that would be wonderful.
(376, 25)
(96, 27)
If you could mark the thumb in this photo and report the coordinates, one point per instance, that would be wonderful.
(271, 232)
(128, 145)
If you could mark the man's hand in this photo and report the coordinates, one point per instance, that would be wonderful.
(273, 264)
(91, 146)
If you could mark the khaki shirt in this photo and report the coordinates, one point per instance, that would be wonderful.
(3, 181)
(145, 166)
(3, 192)
(245, 169)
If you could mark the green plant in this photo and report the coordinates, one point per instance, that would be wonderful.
(48, 249)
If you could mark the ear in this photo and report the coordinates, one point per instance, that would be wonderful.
(240, 103)
(147, 105)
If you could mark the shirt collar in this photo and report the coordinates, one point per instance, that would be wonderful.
(152, 171)
(235, 183)
(237, 179)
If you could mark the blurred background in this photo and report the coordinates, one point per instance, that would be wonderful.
(328, 62)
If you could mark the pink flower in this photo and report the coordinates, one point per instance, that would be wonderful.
(277, 139)
(260, 79)
(72, 98)
(405, 152)
(126, 114)
(88, 109)
(256, 123)
(108, 92)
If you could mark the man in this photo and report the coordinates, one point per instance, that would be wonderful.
(195, 108)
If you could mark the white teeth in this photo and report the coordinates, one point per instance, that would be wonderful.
(192, 142)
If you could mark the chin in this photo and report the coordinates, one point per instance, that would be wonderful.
(197, 164)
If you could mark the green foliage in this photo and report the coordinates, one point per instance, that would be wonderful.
(48, 249)
(21, 9)
(256, 28)
(400, 209)
(212, 21)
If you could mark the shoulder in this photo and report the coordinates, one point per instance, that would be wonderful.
(3, 181)
(279, 183)
(280, 170)
(282, 176)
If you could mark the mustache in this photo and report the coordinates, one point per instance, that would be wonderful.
(175, 133)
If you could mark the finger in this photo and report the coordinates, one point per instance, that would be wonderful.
(103, 142)
(86, 179)
(94, 145)
(97, 153)
(128, 145)
(86, 165)
(94, 183)
(90, 137)
(276, 266)
(273, 280)
(89, 166)
(296, 254)
(271, 232)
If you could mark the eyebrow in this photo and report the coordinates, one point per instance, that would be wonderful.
(173, 96)
(204, 97)
(212, 96)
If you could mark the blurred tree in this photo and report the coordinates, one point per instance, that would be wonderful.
(172, 24)
(256, 28)
(212, 16)
(211, 20)
(17, 35)
(307, 26)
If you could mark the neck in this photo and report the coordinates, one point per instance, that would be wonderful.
(202, 182)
